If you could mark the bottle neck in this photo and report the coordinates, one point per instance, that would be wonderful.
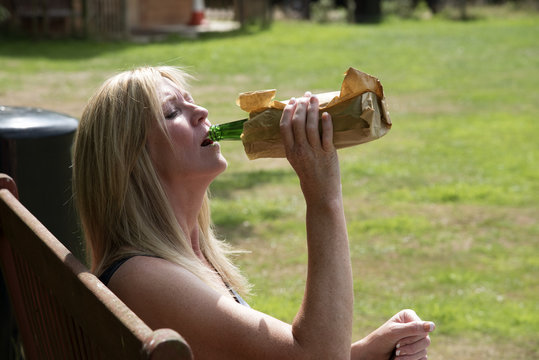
(227, 131)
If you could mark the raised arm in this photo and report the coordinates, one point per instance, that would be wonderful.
(324, 321)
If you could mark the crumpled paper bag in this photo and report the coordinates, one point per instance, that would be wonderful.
(359, 113)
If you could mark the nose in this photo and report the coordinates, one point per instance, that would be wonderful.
(198, 115)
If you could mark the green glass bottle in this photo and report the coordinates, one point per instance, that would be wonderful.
(227, 131)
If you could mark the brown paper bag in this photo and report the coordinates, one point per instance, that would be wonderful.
(359, 113)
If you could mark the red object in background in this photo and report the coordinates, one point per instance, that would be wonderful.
(197, 15)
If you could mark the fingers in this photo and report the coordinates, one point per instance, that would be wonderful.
(410, 340)
(286, 124)
(412, 349)
(300, 124)
(415, 328)
(327, 132)
(425, 326)
(414, 336)
(299, 120)
(422, 355)
(406, 316)
(313, 134)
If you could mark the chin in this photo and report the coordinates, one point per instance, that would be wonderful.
(224, 164)
(222, 159)
(219, 168)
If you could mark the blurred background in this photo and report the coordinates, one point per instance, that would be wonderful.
(443, 212)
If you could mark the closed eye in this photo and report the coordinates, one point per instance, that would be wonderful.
(171, 115)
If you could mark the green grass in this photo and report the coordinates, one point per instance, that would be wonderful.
(443, 212)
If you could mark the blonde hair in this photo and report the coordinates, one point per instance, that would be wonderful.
(121, 202)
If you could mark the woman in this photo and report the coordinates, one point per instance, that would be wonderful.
(141, 171)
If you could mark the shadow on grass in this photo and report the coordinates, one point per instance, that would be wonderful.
(19, 46)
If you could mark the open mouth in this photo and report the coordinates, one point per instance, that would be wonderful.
(206, 142)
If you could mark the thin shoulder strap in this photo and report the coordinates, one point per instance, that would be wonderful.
(107, 274)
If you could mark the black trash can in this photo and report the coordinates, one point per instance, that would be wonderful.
(35, 150)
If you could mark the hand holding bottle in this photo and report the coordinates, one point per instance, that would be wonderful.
(311, 153)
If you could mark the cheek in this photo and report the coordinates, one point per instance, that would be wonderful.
(180, 135)
(156, 155)
(160, 151)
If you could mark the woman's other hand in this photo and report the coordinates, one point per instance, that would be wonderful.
(405, 334)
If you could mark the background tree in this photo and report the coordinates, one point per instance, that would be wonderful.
(368, 11)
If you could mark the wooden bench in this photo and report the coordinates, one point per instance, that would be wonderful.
(46, 16)
(62, 310)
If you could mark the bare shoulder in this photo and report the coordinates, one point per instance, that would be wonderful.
(149, 273)
(153, 286)
(143, 272)
(165, 295)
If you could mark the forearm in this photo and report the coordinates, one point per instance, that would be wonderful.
(359, 350)
(325, 318)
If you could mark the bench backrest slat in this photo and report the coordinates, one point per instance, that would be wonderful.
(62, 310)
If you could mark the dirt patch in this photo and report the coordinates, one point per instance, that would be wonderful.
(463, 348)
(56, 91)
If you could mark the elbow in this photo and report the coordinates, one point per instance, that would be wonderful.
(329, 355)
(326, 349)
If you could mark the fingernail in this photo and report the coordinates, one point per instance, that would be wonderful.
(428, 326)
(398, 352)
(307, 94)
(292, 101)
(398, 345)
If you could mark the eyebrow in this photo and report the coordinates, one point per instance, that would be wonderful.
(172, 97)
(168, 99)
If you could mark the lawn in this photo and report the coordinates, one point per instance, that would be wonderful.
(443, 212)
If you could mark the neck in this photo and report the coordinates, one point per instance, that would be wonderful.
(186, 202)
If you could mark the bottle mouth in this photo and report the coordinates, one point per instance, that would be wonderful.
(214, 133)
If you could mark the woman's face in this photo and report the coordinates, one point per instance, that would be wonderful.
(192, 156)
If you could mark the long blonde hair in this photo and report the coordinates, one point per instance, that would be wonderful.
(121, 202)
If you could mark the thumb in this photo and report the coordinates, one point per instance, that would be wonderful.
(415, 328)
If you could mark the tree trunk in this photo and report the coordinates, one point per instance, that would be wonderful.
(463, 13)
(368, 11)
(306, 9)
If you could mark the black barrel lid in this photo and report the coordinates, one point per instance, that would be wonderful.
(26, 123)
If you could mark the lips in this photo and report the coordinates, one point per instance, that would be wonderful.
(206, 142)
